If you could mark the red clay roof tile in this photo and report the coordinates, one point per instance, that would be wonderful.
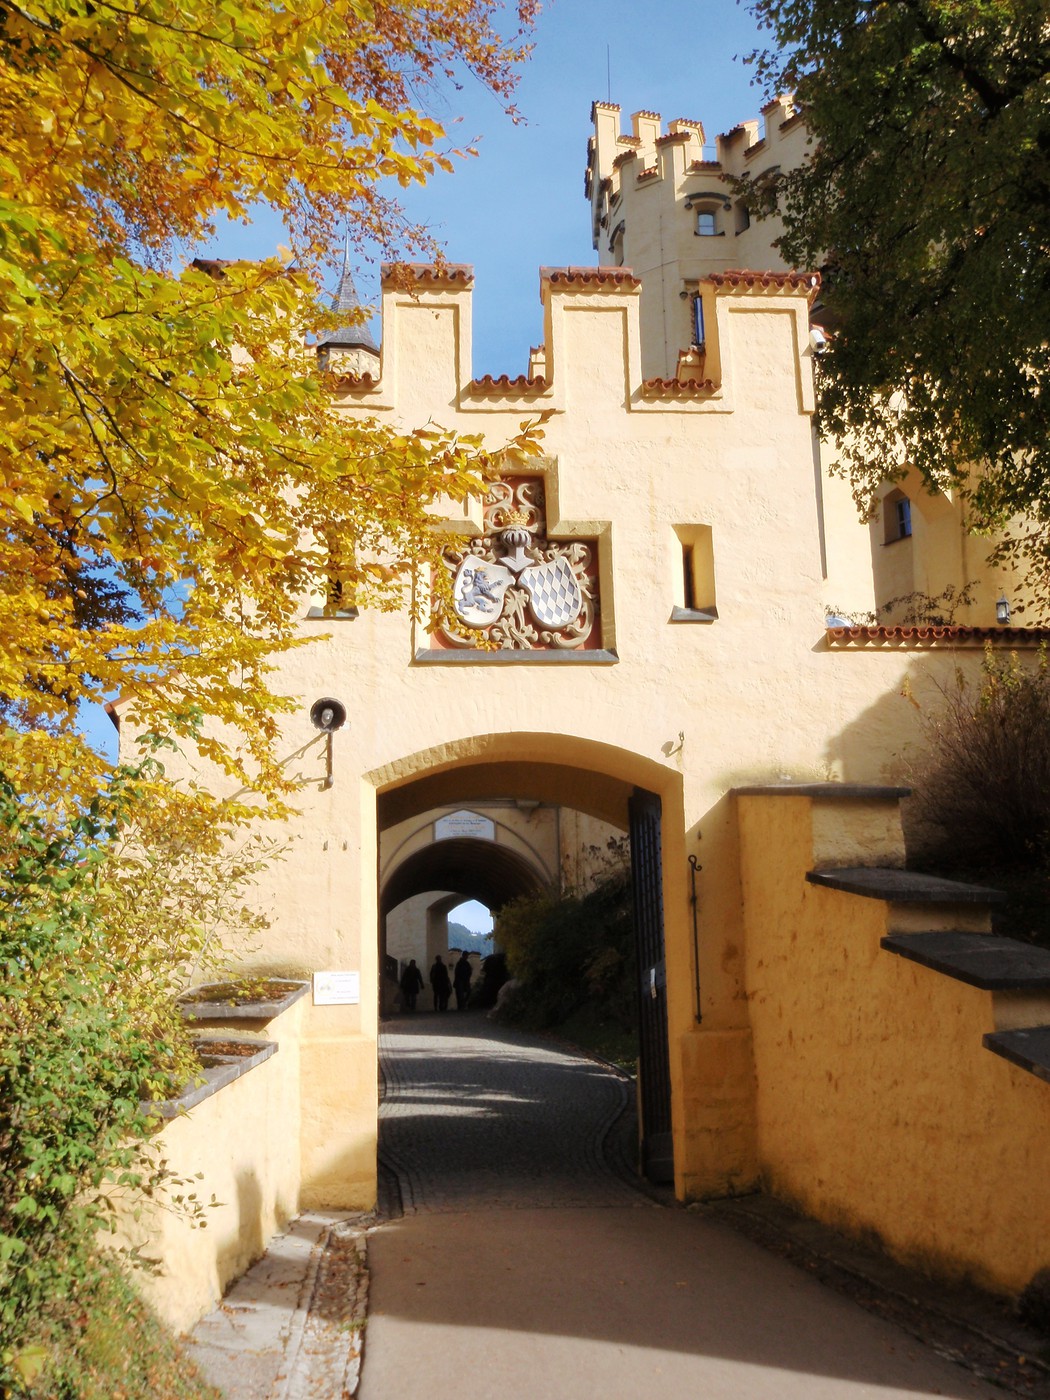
(930, 635)
(428, 274)
(590, 276)
(504, 384)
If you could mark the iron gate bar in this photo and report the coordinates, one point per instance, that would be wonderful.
(694, 868)
(644, 810)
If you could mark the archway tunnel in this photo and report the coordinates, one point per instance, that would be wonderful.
(492, 872)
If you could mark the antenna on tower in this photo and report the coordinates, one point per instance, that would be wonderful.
(608, 72)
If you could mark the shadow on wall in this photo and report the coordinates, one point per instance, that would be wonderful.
(880, 743)
(245, 1237)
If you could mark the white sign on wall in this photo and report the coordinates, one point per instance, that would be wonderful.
(337, 988)
(464, 824)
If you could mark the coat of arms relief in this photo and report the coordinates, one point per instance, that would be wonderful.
(516, 588)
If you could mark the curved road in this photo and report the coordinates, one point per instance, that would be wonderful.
(525, 1267)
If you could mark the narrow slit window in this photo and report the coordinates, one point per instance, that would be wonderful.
(896, 517)
(688, 578)
(695, 586)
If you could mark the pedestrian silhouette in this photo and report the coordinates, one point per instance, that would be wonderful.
(441, 984)
(461, 980)
(411, 985)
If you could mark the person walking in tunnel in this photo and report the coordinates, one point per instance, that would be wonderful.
(461, 980)
(411, 985)
(440, 984)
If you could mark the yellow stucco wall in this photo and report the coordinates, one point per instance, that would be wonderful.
(877, 1108)
(684, 710)
(243, 1142)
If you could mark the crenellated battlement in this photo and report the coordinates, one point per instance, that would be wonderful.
(592, 333)
(663, 203)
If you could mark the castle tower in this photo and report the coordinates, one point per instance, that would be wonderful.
(351, 347)
(661, 204)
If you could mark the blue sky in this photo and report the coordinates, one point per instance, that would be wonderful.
(519, 204)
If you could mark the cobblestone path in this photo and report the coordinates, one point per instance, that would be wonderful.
(479, 1116)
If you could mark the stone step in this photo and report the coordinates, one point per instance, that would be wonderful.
(903, 886)
(980, 959)
(1028, 1047)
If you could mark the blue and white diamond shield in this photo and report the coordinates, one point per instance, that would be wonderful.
(554, 593)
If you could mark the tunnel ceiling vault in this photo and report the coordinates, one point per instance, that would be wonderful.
(481, 870)
(597, 794)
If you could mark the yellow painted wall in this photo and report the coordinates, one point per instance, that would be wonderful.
(877, 1108)
(645, 187)
(244, 1143)
(687, 711)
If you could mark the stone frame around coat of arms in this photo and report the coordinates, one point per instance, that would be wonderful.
(514, 593)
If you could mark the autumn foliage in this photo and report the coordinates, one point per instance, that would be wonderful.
(173, 489)
(172, 482)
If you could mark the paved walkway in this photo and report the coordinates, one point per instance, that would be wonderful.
(476, 1116)
(518, 1260)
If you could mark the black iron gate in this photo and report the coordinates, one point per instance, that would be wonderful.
(655, 1064)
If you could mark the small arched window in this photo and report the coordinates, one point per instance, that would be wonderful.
(706, 224)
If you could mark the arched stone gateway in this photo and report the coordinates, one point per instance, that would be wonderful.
(610, 793)
(640, 626)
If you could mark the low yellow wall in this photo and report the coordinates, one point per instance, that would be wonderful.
(878, 1109)
(244, 1141)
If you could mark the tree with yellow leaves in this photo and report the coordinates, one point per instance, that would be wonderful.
(172, 483)
(171, 479)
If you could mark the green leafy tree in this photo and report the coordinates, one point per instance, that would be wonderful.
(75, 1062)
(926, 204)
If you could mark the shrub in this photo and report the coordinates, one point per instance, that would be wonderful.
(105, 909)
(570, 950)
(983, 784)
(73, 1062)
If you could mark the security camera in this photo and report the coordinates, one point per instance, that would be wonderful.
(818, 341)
(327, 715)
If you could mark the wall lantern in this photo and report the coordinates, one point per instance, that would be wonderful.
(1002, 610)
(328, 715)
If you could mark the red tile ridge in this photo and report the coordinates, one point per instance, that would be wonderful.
(678, 386)
(590, 276)
(743, 277)
(672, 137)
(635, 141)
(690, 121)
(705, 165)
(755, 146)
(932, 632)
(644, 112)
(624, 157)
(771, 106)
(605, 106)
(429, 274)
(649, 173)
(503, 383)
(356, 381)
(795, 118)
